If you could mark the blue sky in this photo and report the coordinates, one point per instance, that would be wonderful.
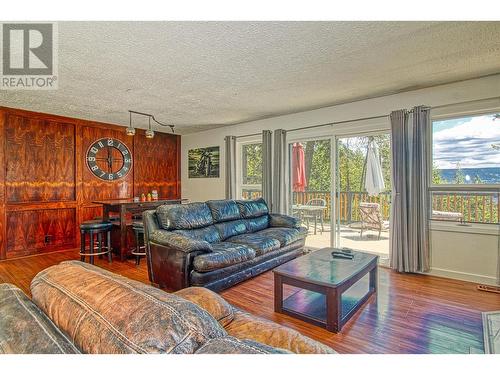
(467, 141)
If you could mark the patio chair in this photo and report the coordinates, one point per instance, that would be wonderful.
(314, 214)
(371, 218)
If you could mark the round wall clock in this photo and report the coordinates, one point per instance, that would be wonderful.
(109, 159)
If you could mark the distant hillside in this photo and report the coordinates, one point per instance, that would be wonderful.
(486, 175)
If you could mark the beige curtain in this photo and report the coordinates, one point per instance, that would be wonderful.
(280, 176)
(409, 245)
(267, 166)
(230, 166)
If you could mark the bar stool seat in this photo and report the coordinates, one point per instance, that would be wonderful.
(140, 247)
(95, 227)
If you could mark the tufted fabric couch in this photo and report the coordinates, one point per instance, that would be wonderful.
(218, 243)
(79, 308)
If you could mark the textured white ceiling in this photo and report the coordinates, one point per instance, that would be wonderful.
(200, 75)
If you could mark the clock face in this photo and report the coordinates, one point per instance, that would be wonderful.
(109, 159)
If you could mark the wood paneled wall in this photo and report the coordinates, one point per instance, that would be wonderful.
(46, 189)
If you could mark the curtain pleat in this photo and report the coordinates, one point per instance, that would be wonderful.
(267, 166)
(279, 202)
(230, 167)
(409, 245)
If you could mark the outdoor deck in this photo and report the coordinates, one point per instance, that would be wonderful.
(350, 238)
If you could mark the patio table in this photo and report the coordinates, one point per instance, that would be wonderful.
(315, 211)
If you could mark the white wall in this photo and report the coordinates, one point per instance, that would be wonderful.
(452, 254)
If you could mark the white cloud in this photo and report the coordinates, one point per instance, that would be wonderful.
(469, 144)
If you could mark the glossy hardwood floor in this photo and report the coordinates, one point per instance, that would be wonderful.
(410, 314)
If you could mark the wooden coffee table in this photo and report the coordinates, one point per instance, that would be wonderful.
(331, 289)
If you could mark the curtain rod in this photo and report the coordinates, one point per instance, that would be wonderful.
(384, 116)
(368, 118)
(247, 135)
(337, 123)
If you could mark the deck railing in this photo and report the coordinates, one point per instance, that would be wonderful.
(347, 203)
(474, 207)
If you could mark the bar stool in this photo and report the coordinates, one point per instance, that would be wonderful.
(99, 228)
(140, 247)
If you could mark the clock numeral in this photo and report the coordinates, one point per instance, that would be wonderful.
(101, 144)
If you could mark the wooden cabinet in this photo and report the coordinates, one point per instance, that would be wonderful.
(46, 189)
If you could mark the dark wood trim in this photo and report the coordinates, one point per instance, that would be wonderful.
(179, 158)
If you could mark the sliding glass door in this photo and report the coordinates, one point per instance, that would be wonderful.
(363, 192)
(311, 184)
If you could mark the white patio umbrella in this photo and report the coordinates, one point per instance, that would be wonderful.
(374, 179)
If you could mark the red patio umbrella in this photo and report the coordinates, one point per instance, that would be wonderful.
(299, 182)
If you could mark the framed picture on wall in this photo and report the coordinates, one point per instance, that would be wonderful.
(204, 162)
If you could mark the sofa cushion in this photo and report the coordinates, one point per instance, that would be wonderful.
(262, 244)
(257, 223)
(252, 208)
(178, 242)
(284, 235)
(106, 313)
(231, 345)
(279, 220)
(209, 234)
(250, 327)
(184, 216)
(224, 210)
(216, 306)
(25, 329)
(231, 228)
(223, 254)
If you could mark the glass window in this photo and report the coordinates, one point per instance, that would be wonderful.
(251, 170)
(466, 155)
(466, 150)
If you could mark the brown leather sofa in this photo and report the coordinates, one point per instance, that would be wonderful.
(80, 308)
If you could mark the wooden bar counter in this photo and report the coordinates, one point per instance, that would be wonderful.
(129, 206)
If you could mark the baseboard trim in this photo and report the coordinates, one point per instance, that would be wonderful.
(481, 279)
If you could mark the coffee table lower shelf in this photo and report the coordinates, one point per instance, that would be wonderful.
(310, 306)
(329, 305)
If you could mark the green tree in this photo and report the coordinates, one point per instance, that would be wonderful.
(252, 163)
(436, 175)
(459, 175)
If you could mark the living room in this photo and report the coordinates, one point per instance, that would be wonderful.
(308, 186)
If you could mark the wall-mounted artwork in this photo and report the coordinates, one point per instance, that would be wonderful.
(204, 162)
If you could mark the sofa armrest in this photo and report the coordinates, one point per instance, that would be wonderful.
(279, 220)
(179, 242)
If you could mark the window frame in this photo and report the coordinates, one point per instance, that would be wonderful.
(239, 163)
(451, 113)
(476, 108)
